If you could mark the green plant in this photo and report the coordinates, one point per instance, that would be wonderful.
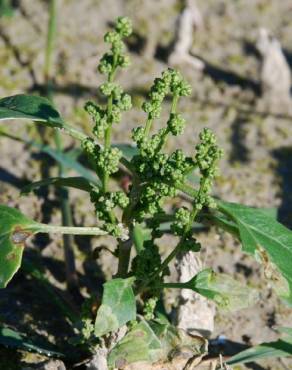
(137, 217)
(6, 8)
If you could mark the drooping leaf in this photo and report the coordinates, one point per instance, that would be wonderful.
(73, 182)
(66, 160)
(280, 348)
(267, 240)
(225, 291)
(117, 308)
(15, 228)
(12, 338)
(140, 344)
(30, 107)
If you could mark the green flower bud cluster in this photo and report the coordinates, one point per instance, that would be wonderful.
(149, 307)
(106, 202)
(159, 170)
(207, 155)
(115, 57)
(182, 219)
(190, 245)
(170, 81)
(147, 261)
(152, 196)
(106, 160)
(99, 118)
(176, 124)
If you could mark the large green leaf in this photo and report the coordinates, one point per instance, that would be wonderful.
(225, 291)
(268, 240)
(117, 308)
(280, 348)
(73, 182)
(155, 340)
(140, 344)
(34, 108)
(15, 228)
(12, 338)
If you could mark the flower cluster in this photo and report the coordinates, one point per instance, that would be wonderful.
(170, 81)
(104, 204)
(115, 57)
(106, 159)
(159, 171)
(207, 155)
(147, 261)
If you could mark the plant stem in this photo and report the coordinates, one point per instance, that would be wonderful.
(44, 228)
(68, 240)
(124, 257)
(148, 126)
(174, 285)
(50, 41)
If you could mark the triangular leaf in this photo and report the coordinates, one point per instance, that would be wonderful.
(15, 228)
(267, 239)
(117, 308)
(228, 293)
(140, 344)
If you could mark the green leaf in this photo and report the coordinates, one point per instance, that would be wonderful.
(280, 348)
(140, 235)
(66, 159)
(140, 344)
(285, 330)
(73, 182)
(128, 150)
(152, 341)
(117, 308)
(12, 338)
(34, 108)
(15, 228)
(267, 240)
(225, 291)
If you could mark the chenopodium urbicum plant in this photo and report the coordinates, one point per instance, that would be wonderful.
(136, 216)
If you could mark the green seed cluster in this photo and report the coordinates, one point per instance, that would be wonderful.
(104, 205)
(156, 174)
(106, 159)
(149, 307)
(182, 219)
(147, 261)
(115, 57)
(207, 155)
(158, 171)
(170, 82)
